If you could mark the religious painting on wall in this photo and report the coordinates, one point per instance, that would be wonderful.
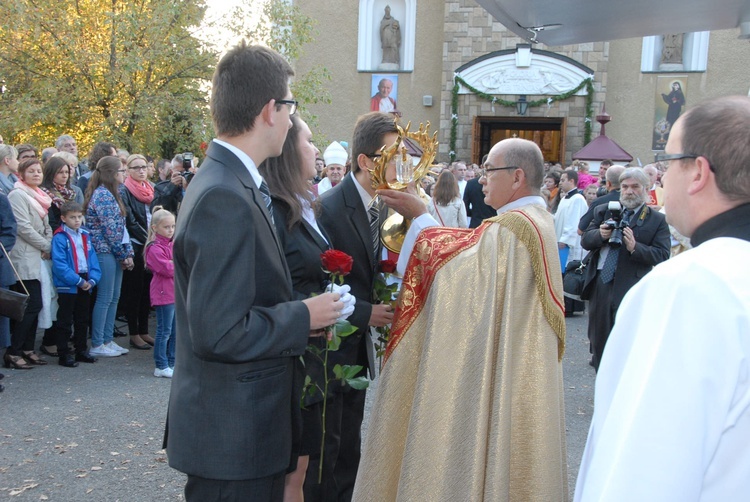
(670, 103)
(384, 90)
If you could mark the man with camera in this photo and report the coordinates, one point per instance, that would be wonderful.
(625, 240)
(169, 193)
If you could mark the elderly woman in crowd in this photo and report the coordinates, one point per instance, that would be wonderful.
(30, 206)
(105, 218)
(137, 193)
(8, 168)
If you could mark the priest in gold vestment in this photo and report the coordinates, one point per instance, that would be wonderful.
(469, 405)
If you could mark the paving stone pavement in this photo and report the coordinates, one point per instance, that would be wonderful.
(94, 433)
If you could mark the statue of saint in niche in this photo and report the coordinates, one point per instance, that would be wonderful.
(390, 40)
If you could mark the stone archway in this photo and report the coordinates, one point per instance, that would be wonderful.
(524, 71)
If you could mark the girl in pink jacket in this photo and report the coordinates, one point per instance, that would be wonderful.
(158, 255)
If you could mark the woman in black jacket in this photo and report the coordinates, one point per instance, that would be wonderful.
(137, 193)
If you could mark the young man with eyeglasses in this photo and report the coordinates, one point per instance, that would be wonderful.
(470, 401)
(234, 416)
(672, 404)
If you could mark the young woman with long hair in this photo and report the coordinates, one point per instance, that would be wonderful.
(105, 218)
(447, 207)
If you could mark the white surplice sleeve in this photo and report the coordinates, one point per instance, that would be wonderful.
(417, 225)
(672, 403)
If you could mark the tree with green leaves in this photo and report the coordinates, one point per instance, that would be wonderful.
(134, 72)
(129, 71)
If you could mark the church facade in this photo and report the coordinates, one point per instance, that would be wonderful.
(450, 63)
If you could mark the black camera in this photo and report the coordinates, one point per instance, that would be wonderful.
(615, 223)
(187, 164)
(187, 160)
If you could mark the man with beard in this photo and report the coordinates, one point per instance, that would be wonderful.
(614, 269)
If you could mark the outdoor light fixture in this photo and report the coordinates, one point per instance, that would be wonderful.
(522, 105)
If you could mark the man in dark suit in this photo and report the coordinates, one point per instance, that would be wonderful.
(344, 215)
(613, 270)
(476, 209)
(234, 408)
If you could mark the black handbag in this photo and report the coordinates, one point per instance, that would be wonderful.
(13, 304)
(574, 279)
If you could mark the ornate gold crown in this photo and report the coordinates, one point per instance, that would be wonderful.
(422, 139)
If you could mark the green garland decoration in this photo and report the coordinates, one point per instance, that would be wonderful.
(588, 84)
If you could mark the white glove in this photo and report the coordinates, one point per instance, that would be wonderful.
(346, 298)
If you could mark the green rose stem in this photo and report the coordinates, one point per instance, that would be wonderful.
(325, 398)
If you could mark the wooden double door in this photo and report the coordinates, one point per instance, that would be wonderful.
(548, 133)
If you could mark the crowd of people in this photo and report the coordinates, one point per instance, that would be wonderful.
(86, 241)
(470, 402)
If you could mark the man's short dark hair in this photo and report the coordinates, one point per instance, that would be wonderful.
(571, 174)
(26, 147)
(70, 207)
(99, 151)
(245, 80)
(718, 130)
(368, 134)
(607, 163)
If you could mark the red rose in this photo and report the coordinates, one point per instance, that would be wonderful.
(204, 145)
(388, 266)
(336, 262)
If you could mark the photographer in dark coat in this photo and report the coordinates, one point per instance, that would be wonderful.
(168, 193)
(612, 269)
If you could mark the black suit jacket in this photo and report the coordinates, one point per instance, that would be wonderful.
(234, 405)
(583, 224)
(8, 238)
(345, 219)
(476, 209)
(303, 246)
(652, 247)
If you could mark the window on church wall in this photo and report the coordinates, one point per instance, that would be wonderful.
(677, 52)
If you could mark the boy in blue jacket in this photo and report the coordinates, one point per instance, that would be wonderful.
(75, 271)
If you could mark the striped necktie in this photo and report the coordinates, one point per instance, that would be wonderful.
(374, 214)
(610, 263)
(266, 197)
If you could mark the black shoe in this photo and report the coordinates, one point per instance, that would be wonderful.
(85, 357)
(44, 350)
(68, 361)
(118, 332)
(143, 346)
(2, 376)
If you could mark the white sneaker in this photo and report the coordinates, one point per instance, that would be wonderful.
(117, 348)
(165, 373)
(103, 351)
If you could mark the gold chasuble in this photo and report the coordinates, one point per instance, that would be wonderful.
(469, 406)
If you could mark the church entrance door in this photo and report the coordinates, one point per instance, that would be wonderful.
(547, 132)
